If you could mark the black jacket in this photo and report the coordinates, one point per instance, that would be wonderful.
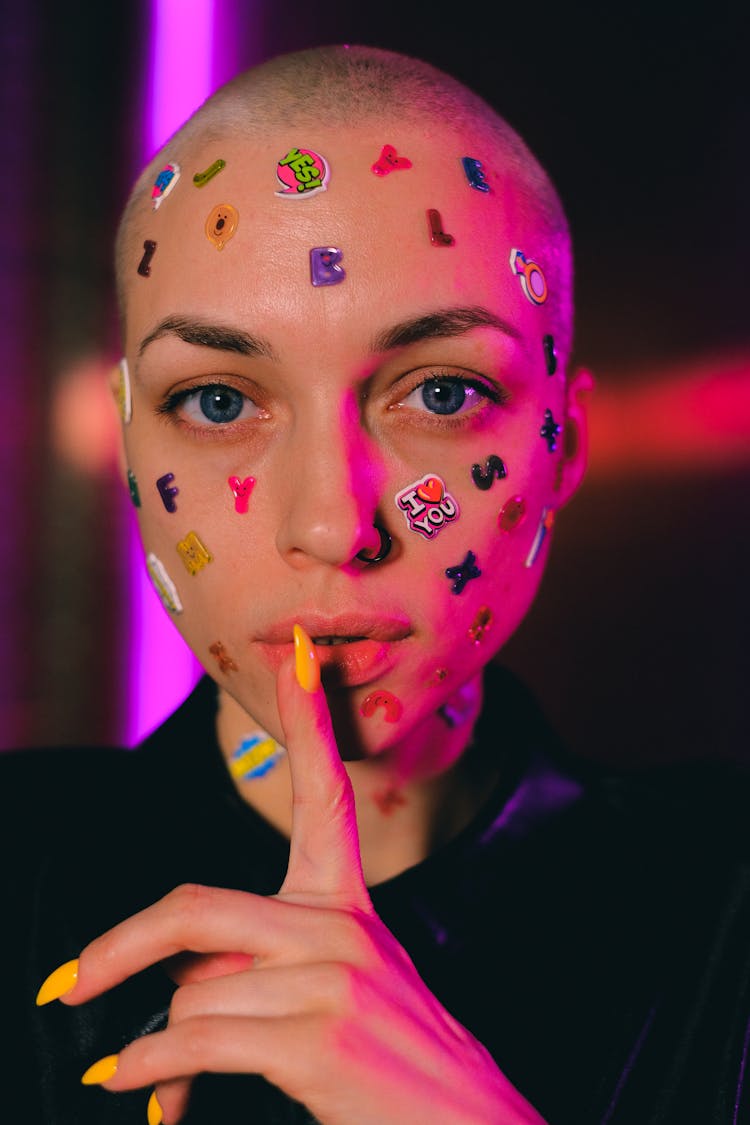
(591, 929)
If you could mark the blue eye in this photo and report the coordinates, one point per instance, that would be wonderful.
(217, 404)
(446, 395)
(220, 404)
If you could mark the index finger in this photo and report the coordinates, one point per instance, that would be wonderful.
(324, 857)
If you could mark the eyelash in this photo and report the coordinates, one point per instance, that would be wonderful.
(172, 402)
(498, 396)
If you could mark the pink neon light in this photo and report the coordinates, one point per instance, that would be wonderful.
(162, 668)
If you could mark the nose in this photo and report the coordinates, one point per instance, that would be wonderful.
(330, 495)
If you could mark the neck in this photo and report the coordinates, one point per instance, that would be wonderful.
(410, 798)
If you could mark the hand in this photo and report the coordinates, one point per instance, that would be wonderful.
(316, 995)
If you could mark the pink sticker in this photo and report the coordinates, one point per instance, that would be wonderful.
(302, 172)
(241, 490)
(426, 505)
(390, 161)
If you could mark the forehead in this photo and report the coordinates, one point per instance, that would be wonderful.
(236, 243)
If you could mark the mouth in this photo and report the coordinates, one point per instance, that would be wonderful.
(351, 652)
(327, 641)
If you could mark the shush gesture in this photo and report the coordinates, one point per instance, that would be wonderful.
(307, 988)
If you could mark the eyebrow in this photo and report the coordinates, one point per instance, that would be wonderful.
(206, 335)
(431, 326)
(443, 322)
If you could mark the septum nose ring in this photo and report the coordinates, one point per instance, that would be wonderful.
(383, 550)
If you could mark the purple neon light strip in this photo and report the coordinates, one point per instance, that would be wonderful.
(162, 669)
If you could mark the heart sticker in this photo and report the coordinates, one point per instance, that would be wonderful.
(431, 490)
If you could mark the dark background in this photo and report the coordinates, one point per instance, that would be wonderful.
(640, 113)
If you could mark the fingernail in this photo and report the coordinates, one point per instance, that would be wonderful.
(153, 1111)
(101, 1071)
(58, 983)
(306, 661)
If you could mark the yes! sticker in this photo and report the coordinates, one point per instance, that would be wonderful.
(302, 172)
(427, 506)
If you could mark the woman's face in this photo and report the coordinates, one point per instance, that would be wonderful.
(275, 421)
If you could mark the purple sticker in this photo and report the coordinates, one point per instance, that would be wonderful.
(324, 265)
(167, 494)
(463, 573)
(549, 431)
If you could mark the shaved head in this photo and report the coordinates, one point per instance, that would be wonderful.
(353, 86)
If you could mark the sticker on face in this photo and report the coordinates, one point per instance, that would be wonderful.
(325, 267)
(241, 490)
(462, 706)
(222, 658)
(144, 266)
(390, 703)
(463, 573)
(438, 237)
(480, 625)
(256, 754)
(549, 431)
(124, 394)
(167, 492)
(427, 505)
(390, 161)
(164, 183)
(494, 468)
(512, 514)
(194, 554)
(302, 173)
(550, 355)
(221, 224)
(163, 584)
(474, 173)
(531, 276)
(135, 495)
(438, 676)
(546, 523)
(200, 179)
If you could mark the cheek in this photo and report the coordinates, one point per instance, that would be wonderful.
(191, 524)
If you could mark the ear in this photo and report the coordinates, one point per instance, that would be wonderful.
(575, 435)
(118, 397)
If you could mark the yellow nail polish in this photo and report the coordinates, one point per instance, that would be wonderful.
(58, 983)
(101, 1071)
(153, 1111)
(306, 660)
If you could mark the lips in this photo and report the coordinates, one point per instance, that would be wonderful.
(353, 649)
